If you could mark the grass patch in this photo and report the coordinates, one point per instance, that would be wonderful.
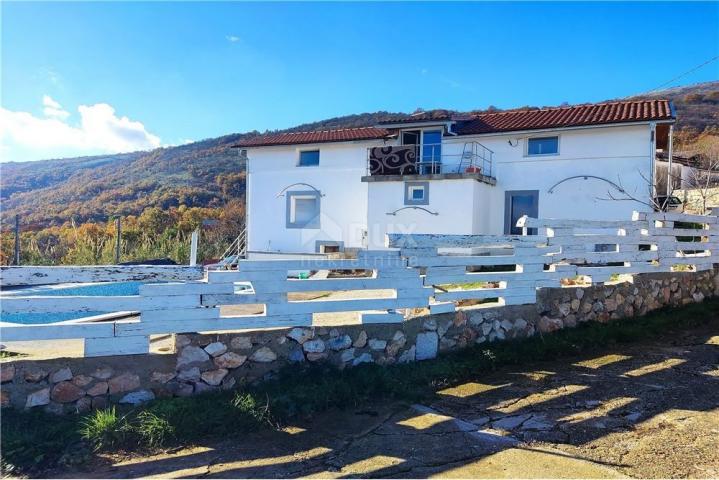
(32, 441)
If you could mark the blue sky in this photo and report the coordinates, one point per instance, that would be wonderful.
(85, 78)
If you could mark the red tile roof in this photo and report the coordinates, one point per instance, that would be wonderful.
(495, 122)
(320, 136)
(571, 116)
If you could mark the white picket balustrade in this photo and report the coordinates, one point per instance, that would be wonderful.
(421, 270)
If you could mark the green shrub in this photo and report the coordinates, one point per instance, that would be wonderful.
(154, 431)
(104, 429)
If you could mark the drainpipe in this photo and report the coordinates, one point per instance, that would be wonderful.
(652, 159)
(671, 151)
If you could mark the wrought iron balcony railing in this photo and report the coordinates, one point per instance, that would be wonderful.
(429, 159)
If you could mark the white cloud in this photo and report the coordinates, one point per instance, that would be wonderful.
(232, 38)
(53, 109)
(24, 136)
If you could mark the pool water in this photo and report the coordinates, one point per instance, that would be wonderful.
(91, 289)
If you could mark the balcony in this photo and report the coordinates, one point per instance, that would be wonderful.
(398, 162)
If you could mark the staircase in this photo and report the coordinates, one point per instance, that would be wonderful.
(235, 252)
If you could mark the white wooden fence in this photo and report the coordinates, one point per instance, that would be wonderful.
(434, 271)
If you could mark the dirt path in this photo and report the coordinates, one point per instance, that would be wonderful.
(645, 410)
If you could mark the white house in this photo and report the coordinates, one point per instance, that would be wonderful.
(331, 190)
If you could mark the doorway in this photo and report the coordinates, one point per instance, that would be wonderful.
(516, 204)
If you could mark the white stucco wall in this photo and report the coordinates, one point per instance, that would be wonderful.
(343, 206)
(351, 207)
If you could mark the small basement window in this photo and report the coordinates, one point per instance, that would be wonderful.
(416, 193)
(309, 158)
(542, 146)
(303, 209)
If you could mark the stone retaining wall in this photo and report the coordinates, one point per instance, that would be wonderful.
(209, 362)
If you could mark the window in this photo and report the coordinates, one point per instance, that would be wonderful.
(309, 158)
(303, 209)
(416, 193)
(329, 246)
(543, 146)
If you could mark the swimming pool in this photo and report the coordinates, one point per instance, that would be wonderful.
(86, 289)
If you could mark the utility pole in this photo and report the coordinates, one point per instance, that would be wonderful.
(117, 240)
(670, 187)
(193, 247)
(16, 260)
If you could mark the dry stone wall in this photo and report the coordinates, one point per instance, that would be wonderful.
(204, 363)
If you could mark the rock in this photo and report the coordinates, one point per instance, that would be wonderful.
(511, 422)
(230, 360)
(241, 343)
(570, 321)
(214, 377)
(340, 343)
(447, 343)
(180, 389)
(486, 328)
(480, 421)
(579, 292)
(574, 305)
(538, 423)
(61, 375)
(215, 349)
(460, 318)
(263, 355)
(398, 342)
(296, 355)
(377, 344)
(4, 399)
(99, 403)
(100, 388)
(138, 397)
(430, 325)
(38, 398)
(7, 372)
(442, 328)
(102, 373)
(83, 405)
(301, 335)
(476, 319)
(228, 383)
(408, 355)
(698, 297)
(610, 305)
(191, 354)
(598, 307)
(316, 356)
(203, 388)
(82, 380)
(546, 324)
(481, 339)
(124, 383)
(427, 344)
(361, 340)
(66, 392)
(314, 346)
(520, 324)
(506, 325)
(334, 333)
(564, 309)
(347, 355)
(159, 377)
(34, 376)
(189, 375)
(364, 358)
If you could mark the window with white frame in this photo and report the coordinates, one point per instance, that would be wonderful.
(416, 193)
(303, 209)
(542, 146)
(309, 158)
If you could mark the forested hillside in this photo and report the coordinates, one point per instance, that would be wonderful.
(65, 204)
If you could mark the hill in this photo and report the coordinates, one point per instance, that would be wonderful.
(207, 173)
